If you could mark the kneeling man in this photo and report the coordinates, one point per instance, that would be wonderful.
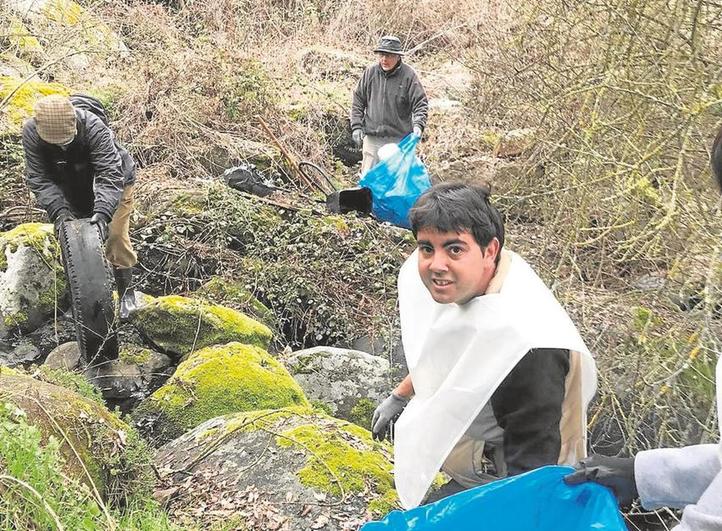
(499, 378)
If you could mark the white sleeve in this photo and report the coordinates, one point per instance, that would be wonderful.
(706, 514)
(676, 477)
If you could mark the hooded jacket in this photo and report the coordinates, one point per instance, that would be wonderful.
(87, 177)
(389, 104)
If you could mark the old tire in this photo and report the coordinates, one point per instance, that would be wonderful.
(91, 294)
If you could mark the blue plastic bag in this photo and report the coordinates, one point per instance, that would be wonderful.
(397, 182)
(538, 500)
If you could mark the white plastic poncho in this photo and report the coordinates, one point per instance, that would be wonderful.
(458, 355)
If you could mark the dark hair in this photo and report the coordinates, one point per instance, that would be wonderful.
(457, 207)
(717, 158)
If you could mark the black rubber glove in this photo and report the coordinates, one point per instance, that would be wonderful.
(384, 415)
(617, 473)
(101, 221)
(358, 137)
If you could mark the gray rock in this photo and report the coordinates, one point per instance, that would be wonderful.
(28, 267)
(349, 382)
(21, 352)
(65, 356)
(280, 469)
(131, 377)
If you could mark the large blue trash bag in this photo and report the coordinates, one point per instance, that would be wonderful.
(536, 501)
(397, 182)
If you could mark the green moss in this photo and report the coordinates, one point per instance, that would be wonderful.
(220, 380)
(336, 466)
(179, 324)
(383, 505)
(190, 203)
(235, 294)
(490, 138)
(321, 407)
(21, 38)
(20, 105)
(362, 412)
(134, 354)
(15, 319)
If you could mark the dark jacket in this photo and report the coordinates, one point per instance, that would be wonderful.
(87, 177)
(389, 103)
(528, 407)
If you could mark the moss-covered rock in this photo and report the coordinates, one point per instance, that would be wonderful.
(289, 458)
(32, 281)
(98, 448)
(24, 43)
(26, 93)
(178, 325)
(216, 381)
(235, 294)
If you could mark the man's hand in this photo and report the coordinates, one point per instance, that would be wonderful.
(101, 221)
(386, 412)
(417, 131)
(617, 473)
(358, 137)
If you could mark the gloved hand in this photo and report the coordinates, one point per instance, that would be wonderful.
(417, 131)
(358, 137)
(101, 221)
(384, 414)
(617, 473)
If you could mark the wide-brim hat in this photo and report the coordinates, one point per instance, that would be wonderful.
(389, 44)
(55, 119)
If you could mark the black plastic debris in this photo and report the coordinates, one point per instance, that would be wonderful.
(247, 178)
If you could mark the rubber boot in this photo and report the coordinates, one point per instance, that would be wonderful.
(126, 294)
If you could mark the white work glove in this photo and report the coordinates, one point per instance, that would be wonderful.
(417, 131)
(358, 137)
(387, 412)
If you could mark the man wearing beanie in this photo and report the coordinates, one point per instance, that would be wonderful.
(388, 103)
(77, 170)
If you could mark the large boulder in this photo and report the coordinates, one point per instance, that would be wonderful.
(349, 383)
(22, 95)
(32, 282)
(177, 325)
(235, 294)
(288, 469)
(98, 448)
(216, 381)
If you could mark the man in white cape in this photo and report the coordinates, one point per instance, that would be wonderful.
(687, 478)
(499, 378)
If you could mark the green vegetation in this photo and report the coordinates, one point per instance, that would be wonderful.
(217, 381)
(98, 448)
(37, 494)
(338, 466)
(179, 325)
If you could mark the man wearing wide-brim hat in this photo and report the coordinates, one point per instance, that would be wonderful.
(76, 169)
(388, 103)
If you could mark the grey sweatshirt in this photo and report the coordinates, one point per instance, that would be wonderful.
(389, 104)
(689, 478)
